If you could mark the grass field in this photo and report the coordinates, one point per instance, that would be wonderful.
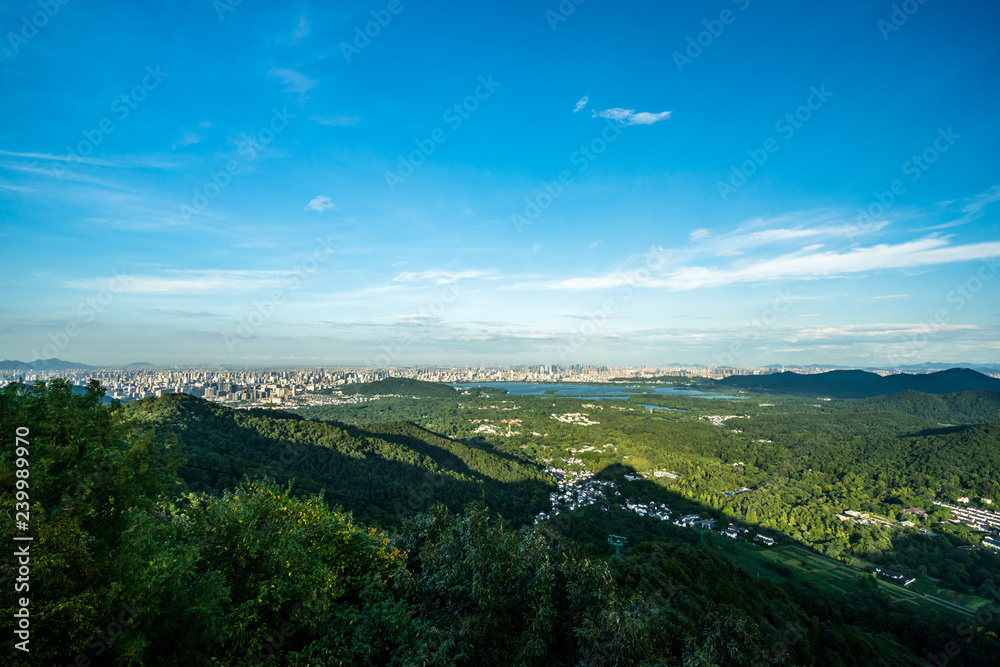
(787, 564)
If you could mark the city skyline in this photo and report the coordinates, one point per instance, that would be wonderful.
(724, 185)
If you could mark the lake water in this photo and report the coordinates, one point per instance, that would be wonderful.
(590, 391)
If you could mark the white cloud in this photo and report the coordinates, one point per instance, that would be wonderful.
(581, 103)
(187, 282)
(320, 204)
(437, 276)
(630, 117)
(809, 263)
(828, 332)
(812, 265)
(295, 82)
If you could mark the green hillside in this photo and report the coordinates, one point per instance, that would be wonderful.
(862, 384)
(964, 407)
(256, 574)
(382, 472)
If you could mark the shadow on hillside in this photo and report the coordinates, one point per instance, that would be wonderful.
(430, 443)
(381, 473)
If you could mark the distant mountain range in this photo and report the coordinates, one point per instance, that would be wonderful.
(58, 364)
(41, 365)
(862, 384)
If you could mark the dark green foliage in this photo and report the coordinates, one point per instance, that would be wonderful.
(382, 472)
(399, 387)
(966, 407)
(213, 576)
(89, 468)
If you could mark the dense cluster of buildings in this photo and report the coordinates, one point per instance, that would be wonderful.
(985, 521)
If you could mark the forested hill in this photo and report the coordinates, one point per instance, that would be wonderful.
(380, 472)
(964, 407)
(400, 387)
(862, 384)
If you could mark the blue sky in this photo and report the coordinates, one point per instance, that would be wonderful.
(727, 182)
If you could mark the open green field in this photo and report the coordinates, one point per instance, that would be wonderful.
(924, 585)
(786, 564)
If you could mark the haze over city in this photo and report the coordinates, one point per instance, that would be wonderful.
(510, 183)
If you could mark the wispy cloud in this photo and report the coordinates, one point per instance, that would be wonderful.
(972, 209)
(15, 188)
(829, 264)
(829, 332)
(341, 120)
(188, 282)
(188, 139)
(631, 117)
(301, 30)
(185, 313)
(49, 157)
(809, 263)
(581, 103)
(295, 82)
(320, 204)
(437, 276)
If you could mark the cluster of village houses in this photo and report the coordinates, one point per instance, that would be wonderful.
(578, 489)
(717, 420)
(980, 520)
(977, 519)
(488, 427)
(579, 418)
